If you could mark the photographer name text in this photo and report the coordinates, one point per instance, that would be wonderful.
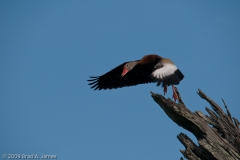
(29, 156)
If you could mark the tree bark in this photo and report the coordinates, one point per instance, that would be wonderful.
(218, 134)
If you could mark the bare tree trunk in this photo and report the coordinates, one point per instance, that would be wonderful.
(218, 134)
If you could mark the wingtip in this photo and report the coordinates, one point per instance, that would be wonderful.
(93, 83)
(92, 78)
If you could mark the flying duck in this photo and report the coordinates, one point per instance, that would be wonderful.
(151, 68)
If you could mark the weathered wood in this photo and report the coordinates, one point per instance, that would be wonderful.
(218, 134)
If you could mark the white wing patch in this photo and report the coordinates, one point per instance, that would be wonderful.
(165, 71)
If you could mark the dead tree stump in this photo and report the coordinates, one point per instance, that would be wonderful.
(218, 134)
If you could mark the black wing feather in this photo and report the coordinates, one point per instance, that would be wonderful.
(113, 79)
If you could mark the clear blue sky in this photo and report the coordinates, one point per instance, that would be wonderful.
(48, 49)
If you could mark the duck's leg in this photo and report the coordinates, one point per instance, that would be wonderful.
(165, 90)
(175, 96)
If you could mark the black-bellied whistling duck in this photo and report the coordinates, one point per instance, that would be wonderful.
(151, 68)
